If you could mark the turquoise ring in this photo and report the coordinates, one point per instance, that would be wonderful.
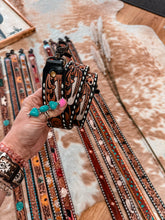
(35, 112)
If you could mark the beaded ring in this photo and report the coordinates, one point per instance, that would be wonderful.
(35, 112)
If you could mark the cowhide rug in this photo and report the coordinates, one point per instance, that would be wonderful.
(138, 65)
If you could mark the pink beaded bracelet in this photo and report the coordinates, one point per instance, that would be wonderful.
(13, 156)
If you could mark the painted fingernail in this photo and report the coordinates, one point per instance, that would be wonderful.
(62, 102)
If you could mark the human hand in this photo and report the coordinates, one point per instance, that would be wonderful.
(28, 134)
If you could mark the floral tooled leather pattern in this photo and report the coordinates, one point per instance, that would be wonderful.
(76, 85)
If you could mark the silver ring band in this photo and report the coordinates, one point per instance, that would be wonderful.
(47, 115)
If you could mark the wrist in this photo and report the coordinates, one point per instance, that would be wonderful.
(11, 141)
(14, 156)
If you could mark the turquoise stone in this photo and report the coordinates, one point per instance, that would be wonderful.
(53, 105)
(40, 179)
(21, 91)
(44, 108)
(1, 82)
(19, 206)
(6, 122)
(34, 112)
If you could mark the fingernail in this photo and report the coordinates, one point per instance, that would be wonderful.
(62, 102)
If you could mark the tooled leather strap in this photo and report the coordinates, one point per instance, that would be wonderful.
(53, 78)
(74, 83)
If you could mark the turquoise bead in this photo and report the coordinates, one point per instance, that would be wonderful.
(53, 105)
(6, 122)
(34, 112)
(44, 108)
(19, 206)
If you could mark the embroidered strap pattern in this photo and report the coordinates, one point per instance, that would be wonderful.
(41, 176)
(51, 184)
(21, 92)
(11, 84)
(113, 169)
(36, 164)
(34, 73)
(133, 160)
(4, 102)
(18, 78)
(18, 192)
(131, 182)
(32, 186)
(25, 73)
(60, 178)
(101, 177)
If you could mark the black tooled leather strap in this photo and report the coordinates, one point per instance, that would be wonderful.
(76, 85)
(53, 79)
